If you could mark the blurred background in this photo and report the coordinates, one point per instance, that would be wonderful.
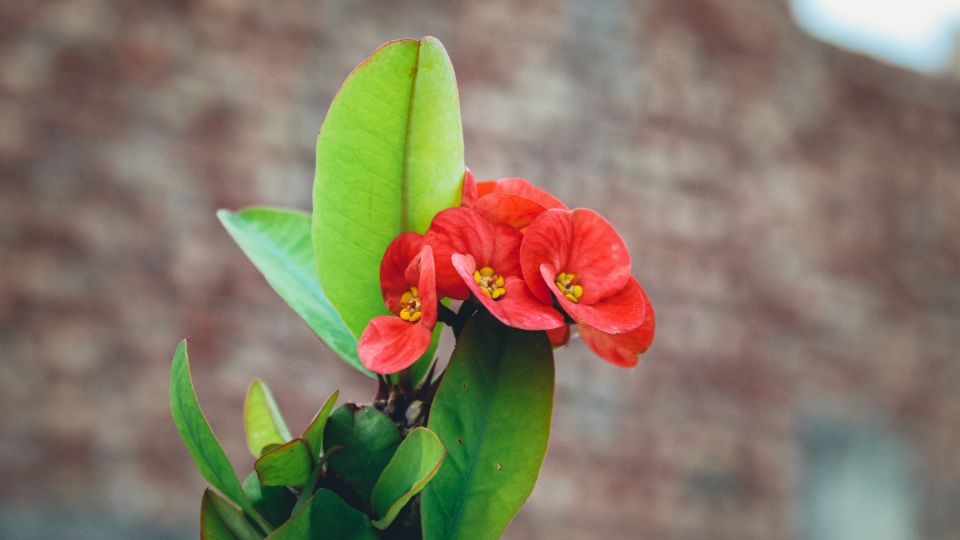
(793, 210)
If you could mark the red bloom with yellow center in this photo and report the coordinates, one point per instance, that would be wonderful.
(475, 255)
(510, 201)
(408, 284)
(576, 257)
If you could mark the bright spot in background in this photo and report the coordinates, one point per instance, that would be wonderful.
(918, 34)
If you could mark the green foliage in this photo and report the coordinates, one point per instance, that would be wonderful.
(368, 439)
(325, 517)
(219, 520)
(278, 243)
(287, 465)
(198, 437)
(389, 157)
(273, 503)
(413, 465)
(262, 421)
(492, 414)
(313, 435)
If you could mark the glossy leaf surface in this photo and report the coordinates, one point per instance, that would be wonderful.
(325, 517)
(262, 421)
(273, 503)
(219, 520)
(313, 435)
(279, 245)
(197, 435)
(286, 465)
(369, 439)
(389, 157)
(415, 462)
(492, 414)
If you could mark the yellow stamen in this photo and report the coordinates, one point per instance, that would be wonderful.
(491, 283)
(410, 305)
(566, 285)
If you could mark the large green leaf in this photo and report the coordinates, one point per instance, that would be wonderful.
(262, 421)
(198, 437)
(389, 157)
(286, 465)
(492, 413)
(219, 520)
(413, 465)
(368, 437)
(325, 517)
(313, 435)
(273, 503)
(278, 243)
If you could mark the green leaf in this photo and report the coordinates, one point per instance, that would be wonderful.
(273, 503)
(416, 461)
(198, 437)
(262, 420)
(492, 413)
(325, 517)
(389, 157)
(286, 465)
(278, 243)
(313, 435)
(212, 526)
(368, 437)
(219, 520)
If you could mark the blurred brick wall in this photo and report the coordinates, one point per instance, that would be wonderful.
(794, 212)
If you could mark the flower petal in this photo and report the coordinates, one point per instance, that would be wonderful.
(464, 230)
(458, 230)
(615, 314)
(517, 308)
(468, 195)
(523, 188)
(485, 187)
(427, 286)
(559, 336)
(395, 274)
(621, 349)
(509, 209)
(545, 242)
(598, 256)
(389, 344)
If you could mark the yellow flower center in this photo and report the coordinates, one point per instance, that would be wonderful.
(410, 305)
(565, 282)
(490, 282)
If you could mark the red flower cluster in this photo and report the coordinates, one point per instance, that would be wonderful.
(525, 257)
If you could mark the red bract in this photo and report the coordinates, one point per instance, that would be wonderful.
(559, 336)
(578, 258)
(477, 256)
(408, 285)
(622, 349)
(510, 201)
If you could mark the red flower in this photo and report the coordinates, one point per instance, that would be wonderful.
(622, 349)
(578, 258)
(510, 201)
(408, 284)
(559, 336)
(477, 256)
